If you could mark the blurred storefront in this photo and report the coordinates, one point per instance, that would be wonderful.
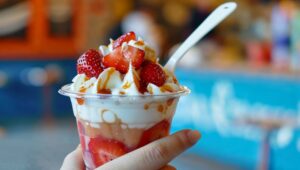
(244, 76)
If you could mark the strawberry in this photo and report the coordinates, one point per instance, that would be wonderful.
(89, 63)
(124, 38)
(120, 59)
(104, 150)
(134, 55)
(80, 127)
(152, 73)
(158, 131)
(115, 59)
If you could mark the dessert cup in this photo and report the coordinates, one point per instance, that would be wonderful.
(110, 126)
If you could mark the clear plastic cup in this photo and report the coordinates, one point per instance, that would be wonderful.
(110, 126)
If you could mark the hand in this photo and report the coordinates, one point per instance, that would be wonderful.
(150, 157)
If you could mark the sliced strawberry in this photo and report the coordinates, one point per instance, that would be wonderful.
(115, 59)
(81, 132)
(152, 73)
(105, 150)
(80, 127)
(89, 63)
(124, 38)
(134, 55)
(158, 131)
(120, 59)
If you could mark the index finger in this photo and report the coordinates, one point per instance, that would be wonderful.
(156, 154)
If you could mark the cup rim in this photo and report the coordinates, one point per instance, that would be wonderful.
(65, 91)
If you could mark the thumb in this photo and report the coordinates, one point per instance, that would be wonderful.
(156, 154)
(73, 160)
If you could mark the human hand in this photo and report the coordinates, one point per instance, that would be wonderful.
(150, 157)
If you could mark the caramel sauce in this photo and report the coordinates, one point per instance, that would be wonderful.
(80, 101)
(103, 89)
(82, 89)
(122, 93)
(86, 78)
(150, 54)
(136, 79)
(175, 80)
(160, 108)
(150, 90)
(126, 85)
(139, 43)
(170, 101)
(166, 88)
(146, 106)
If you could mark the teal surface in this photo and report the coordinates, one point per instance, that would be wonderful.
(218, 100)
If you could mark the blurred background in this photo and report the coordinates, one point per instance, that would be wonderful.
(244, 76)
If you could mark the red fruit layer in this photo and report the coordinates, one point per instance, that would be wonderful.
(99, 150)
(157, 131)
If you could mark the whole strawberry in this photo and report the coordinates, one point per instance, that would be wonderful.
(89, 63)
(152, 73)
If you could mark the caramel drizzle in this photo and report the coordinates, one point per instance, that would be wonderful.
(126, 85)
(117, 120)
(103, 89)
(150, 90)
(166, 88)
(122, 93)
(80, 101)
(160, 108)
(146, 106)
(170, 101)
(140, 43)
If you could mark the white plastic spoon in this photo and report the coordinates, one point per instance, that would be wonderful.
(207, 25)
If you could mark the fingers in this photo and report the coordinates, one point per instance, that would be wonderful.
(73, 160)
(156, 154)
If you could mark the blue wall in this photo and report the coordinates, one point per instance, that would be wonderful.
(218, 100)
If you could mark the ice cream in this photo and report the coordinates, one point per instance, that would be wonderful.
(122, 99)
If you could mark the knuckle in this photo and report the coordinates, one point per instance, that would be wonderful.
(181, 141)
(156, 153)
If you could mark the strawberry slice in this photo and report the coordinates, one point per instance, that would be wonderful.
(124, 38)
(152, 73)
(80, 127)
(158, 131)
(105, 150)
(115, 59)
(120, 59)
(134, 55)
(89, 63)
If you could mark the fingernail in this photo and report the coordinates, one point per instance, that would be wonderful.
(193, 136)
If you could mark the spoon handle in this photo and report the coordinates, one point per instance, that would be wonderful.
(207, 25)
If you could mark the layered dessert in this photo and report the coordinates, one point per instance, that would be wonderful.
(122, 99)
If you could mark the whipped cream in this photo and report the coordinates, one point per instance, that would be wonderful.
(110, 81)
(138, 114)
